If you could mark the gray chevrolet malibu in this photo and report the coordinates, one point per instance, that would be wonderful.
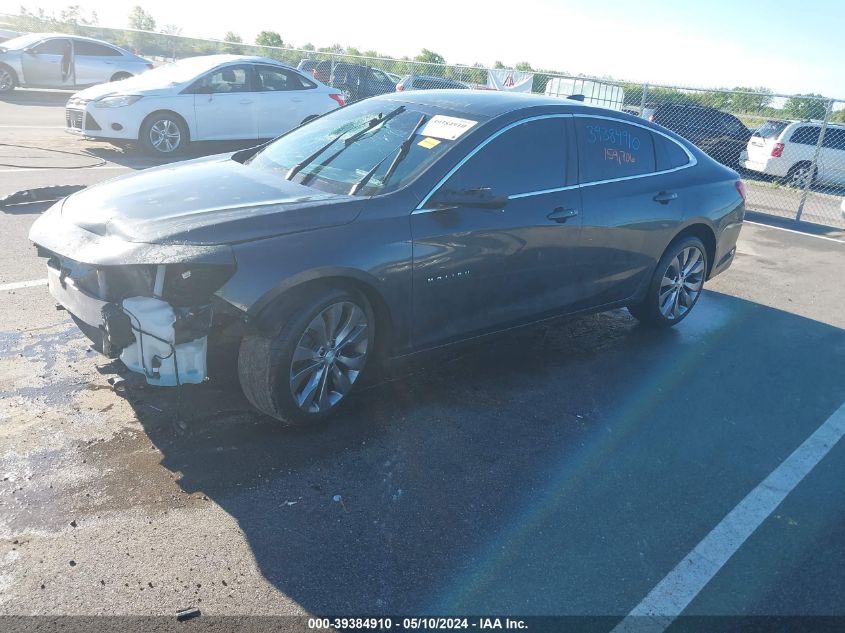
(55, 60)
(400, 223)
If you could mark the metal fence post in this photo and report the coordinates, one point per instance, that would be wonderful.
(642, 99)
(810, 179)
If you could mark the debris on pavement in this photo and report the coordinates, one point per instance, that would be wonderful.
(187, 614)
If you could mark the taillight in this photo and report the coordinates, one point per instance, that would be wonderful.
(777, 150)
(338, 97)
(400, 87)
(740, 188)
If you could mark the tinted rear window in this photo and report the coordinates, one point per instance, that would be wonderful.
(610, 149)
(806, 135)
(668, 154)
(771, 129)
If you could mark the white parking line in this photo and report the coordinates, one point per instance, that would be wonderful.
(780, 228)
(18, 170)
(675, 592)
(23, 284)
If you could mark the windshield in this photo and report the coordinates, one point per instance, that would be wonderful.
(177, 72)
(771, 129)
(367, 158)
(21, 42)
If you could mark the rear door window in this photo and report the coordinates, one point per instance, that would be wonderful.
(806, 135)
(609, 149)
(92, 49)
(271, 79)
(527, 158)
(834, 138)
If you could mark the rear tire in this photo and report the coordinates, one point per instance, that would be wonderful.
(675, 286)
(120, 76)
(303, 373)
(163, 134)
(799, 173)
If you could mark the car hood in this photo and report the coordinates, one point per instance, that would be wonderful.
(208, 201)
(138, 85)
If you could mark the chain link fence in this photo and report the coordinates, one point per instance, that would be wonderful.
(790, 149)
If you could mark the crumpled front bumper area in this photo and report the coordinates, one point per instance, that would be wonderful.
(167, 344)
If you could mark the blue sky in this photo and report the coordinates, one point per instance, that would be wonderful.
(786, 47)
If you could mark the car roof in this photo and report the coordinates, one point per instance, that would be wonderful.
(224, 58)
(76, 37)
(491, 103)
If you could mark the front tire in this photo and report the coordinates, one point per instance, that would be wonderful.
(302, 373)
(676, 285)
(163, 134)
(120, 76)
(8, 80)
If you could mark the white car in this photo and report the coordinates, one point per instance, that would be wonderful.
(210, 98)
(785, 149)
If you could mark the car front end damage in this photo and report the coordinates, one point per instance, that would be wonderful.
(153, 306)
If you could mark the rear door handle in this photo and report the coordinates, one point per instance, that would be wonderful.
(246, 101)
(562, 215)
(665, 197)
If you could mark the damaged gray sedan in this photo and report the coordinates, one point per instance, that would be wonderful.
(396, 224)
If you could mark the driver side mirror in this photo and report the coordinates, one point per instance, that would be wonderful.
(30, 50)
(480, 198)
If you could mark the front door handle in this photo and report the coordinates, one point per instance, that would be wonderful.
(665, 197)
(246, 101)
(562, 215)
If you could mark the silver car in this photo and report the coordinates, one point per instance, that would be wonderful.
(54, 60)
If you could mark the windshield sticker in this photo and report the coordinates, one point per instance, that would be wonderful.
(446, 127)
(429, 142)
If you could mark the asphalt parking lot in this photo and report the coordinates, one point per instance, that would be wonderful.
(561, 469)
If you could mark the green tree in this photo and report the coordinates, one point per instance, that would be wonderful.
(429, 57)
(525, 67)
(232, 39)
(809, 106)
(269, 38)
(141, 20)
(498, 65)
(74, 15)
(171, 42)
(750, 99)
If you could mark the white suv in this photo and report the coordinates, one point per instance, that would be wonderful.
(785, 149)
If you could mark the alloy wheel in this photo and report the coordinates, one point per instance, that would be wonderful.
(6, 81)
(801, 177)
(682, 283)
(165, 136)
(329, 357)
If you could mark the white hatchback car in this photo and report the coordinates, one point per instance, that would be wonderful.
(785, 149)
(210, 98)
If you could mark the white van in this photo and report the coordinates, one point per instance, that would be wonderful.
(785, 149)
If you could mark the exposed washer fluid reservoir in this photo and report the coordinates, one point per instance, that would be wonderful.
(154, 352)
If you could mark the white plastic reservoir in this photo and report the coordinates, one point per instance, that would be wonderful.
(152, 353)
